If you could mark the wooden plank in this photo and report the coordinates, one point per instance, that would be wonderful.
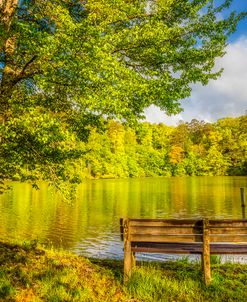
(162, 230)
(168, 247)
(226, 220)
(228, 238)
(192, 222)
(206, 253)
(228, 223)
(186, 220)
(187, 248)
(165, 238)
(165, 222)
(228, 230)
(218, 248)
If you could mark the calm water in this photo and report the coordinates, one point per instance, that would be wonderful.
(90, 226)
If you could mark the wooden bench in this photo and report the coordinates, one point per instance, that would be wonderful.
(183, 236)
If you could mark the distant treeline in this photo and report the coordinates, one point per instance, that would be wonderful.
(195, 148)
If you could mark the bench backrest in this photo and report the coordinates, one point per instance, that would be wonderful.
(184, 230)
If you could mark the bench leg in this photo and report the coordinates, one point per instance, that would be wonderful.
(127, 260)
(133, 255)
(206, 269)
(206, 253)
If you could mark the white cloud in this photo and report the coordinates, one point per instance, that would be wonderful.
(224, 97)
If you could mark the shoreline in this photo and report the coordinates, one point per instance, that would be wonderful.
(29, 272)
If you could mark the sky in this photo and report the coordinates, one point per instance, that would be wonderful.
(225, 97)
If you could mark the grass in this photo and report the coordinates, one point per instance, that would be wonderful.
(31, 273)
(28, 273)
(180, 281)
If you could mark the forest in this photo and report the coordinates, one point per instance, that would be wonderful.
(196, 148)
(65, 66)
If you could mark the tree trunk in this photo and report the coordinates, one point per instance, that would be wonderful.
(8, 80)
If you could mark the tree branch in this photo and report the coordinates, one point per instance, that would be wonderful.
(27, 64)
(8, 8)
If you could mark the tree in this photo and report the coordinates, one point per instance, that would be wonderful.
(66, 61)
(233, 144)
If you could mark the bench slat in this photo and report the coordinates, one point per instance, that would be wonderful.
(187, 248)
(159, 230)
(185, 230)
(228, 238)
(161, 237)
(228, 231)
(229, 248)
(164, 222)
(166, 238)
(169, 247)
(212, 222)
(228, 223)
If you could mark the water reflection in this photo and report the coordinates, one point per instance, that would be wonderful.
(91, 225)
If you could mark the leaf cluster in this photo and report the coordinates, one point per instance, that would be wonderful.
(66, 65)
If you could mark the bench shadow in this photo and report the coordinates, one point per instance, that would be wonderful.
(180, 269)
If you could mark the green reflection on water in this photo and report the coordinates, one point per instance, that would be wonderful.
(91, 223)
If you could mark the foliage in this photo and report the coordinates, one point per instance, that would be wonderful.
(66, 64)
(160, 150)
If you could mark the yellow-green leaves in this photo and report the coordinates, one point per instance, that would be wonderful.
(70, 60)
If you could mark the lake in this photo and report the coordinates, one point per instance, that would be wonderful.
(90, 225)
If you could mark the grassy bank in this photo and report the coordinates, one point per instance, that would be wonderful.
(31, 273)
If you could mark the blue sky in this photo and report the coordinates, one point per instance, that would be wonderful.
(225, 97)
(239, 5)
